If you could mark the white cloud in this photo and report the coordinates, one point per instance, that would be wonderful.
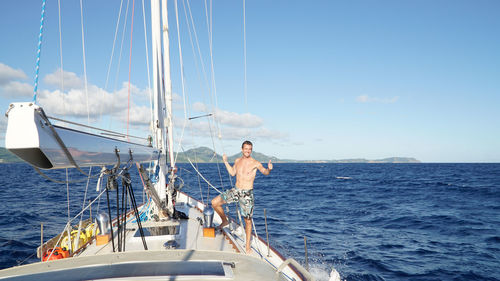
(201, 107)
(7, 74)
(76, 101)
(363, 99)
(233, 126)
(368, 99)
(15, 89)
(265, 133)
(70, 79)
(10, 87)
(72, 103)
(245, 120)
(202, 129)
(139, 115)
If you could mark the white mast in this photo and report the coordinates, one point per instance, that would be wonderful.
(158, 92)
(162, 95)
(168, 83)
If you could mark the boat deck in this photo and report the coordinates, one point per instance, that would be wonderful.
(195, 257)
(189, 236)
(149, 265)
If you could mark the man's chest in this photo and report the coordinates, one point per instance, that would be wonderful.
(246, 168)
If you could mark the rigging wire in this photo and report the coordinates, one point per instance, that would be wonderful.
(114, 44)
(67, 192)
(61, 55)
(84, 63)
(245, 55)
(210, 86)
(120, 54)
(189, 26)
(86, 189)
(180, 58)
(38, 52)
(210, 42)
(62, 94)
(208, 182)
(147, 67)
(214, 93)
(83, 204)
(181, 62)
(57, 181)
(192, 25)
(112, 50)
(88, 206)
(130, 66)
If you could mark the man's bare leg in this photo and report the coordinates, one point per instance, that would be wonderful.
(248, 228)
(217, 203)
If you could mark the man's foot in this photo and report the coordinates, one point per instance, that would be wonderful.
(222, 225)
(249, 251)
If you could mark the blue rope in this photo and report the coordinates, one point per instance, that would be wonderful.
(35, 90)
(156, 176)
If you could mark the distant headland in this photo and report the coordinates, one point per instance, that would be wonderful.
(207, 155)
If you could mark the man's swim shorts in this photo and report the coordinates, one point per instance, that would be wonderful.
(244, 197)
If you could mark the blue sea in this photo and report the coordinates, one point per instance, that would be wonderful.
(368, 221)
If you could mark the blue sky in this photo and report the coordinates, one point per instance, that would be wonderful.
(325, 79)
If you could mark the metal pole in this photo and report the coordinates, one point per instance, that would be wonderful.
(267, 234)
(305, 247)
(41, 241)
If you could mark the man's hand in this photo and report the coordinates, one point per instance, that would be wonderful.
(224, 157)
(270, 165)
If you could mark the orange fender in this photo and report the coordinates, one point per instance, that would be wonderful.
(55, 255)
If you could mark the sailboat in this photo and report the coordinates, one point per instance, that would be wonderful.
(170, 237)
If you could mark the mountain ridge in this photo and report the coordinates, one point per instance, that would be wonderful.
(207, 155)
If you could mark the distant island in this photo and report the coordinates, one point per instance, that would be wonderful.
(207, 155)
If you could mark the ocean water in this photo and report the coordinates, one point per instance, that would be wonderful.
(368, 221)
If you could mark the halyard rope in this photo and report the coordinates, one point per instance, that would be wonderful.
(38, 52)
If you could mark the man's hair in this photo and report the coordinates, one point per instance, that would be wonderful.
(246, 142)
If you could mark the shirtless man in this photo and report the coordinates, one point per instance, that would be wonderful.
(245, 168)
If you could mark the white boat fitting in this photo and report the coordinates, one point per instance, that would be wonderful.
(31, 136)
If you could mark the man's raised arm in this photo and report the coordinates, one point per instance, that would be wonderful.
(263, 170)
(229, 169)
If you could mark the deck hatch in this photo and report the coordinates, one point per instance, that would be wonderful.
(158, 231)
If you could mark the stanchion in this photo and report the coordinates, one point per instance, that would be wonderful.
(305, 248)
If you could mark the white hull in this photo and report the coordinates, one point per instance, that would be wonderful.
(30, 136)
